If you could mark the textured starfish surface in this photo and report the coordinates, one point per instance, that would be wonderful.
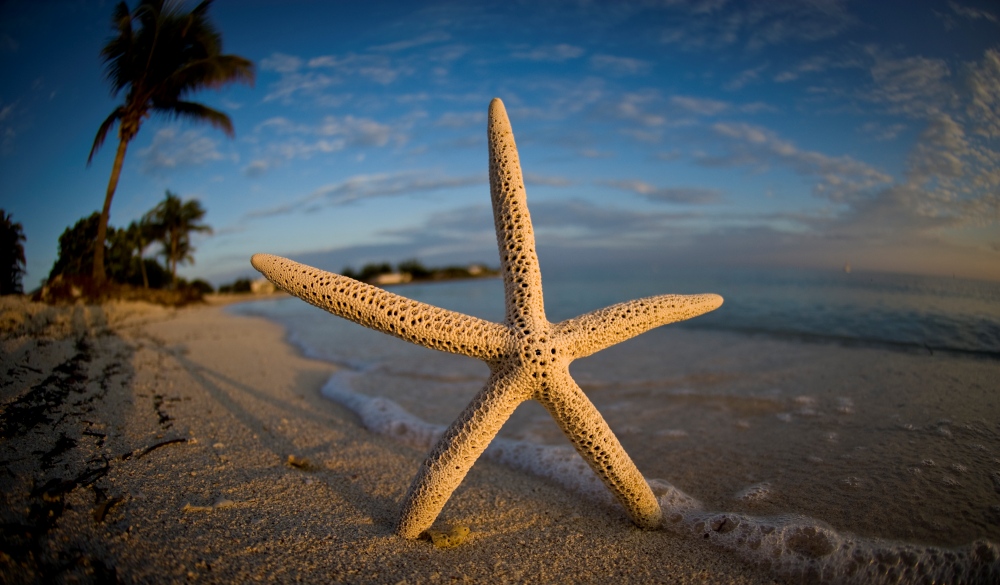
(527, 355)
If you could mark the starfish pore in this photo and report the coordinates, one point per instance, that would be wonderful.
(527, 355)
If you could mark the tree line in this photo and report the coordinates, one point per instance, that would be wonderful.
(12, 261)
(417, 271)
(158, 54)
(170, 224)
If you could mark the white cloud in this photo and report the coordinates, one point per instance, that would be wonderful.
(700, 106)
(361, 187)
(939, 151)
(559, 99)
(683, 195)
(293, 83)
(358, 131)
(257, 168)
(911, 86)
(378, 68)
(331, 134)
(171, 150)
(949, 175)
(842, 178)
(460, 119)
(983, 85)
(595, 153)
(619, 65)
(312, 77)
(653, 136)
(281, 63)
(972, 13)
(883, 132)
(281, 125)
(815, 64)
(633, 106)
(744, 78)
(424, 39)
(700, 25)
(552, 53)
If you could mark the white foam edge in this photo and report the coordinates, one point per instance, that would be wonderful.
(791, 545)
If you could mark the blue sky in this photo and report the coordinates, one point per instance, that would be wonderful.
(652, 134)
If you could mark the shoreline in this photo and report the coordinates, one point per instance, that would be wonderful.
(163, 455)
(791, 385)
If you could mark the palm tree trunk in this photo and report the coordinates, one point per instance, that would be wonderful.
(102, 226)
(142, 267)
(173, 261)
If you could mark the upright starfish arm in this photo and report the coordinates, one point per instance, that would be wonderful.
(384, 311)
(522, 279)
(594, 331)
(579, 419)
(462, 444)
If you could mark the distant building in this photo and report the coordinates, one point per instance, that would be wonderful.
(475, 269)
(392, 278)
(262, 286)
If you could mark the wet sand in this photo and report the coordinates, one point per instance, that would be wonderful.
(144, 444)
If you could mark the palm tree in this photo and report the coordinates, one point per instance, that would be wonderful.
(138, 235)
(159, 55)
(11, 255)
(174, 221)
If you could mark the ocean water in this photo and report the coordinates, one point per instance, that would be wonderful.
(842, 427)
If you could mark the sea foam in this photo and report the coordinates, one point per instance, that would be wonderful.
(792, 546)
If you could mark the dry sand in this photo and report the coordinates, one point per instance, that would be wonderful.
(144, 444)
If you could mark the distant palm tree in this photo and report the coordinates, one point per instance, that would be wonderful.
(173, 221)
(166, 55)
(138, 236)
(11, 255)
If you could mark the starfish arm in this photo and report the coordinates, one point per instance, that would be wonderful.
(459, 448)
(594, 331)
(522, 279)
(579, 419)
(384, 311)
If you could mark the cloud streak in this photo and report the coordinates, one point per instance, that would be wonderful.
(361, 187)
(172, 150)
(699, 25)
(678, 195)
(841, 178)
(331, 134)
(549, 53)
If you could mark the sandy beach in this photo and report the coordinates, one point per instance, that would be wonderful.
(145, 444)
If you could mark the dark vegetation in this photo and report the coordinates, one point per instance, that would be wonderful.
(158, 55)
(239, 286)
(129, 273)
(418, 272)
(11, 255)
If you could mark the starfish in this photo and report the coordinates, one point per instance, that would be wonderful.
(527, 355)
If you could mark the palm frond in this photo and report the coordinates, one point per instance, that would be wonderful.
(200, 33)
(197, 113)
(118, 48)
(201, 10)
(102, 132)
(212, 72)
(159, 54)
